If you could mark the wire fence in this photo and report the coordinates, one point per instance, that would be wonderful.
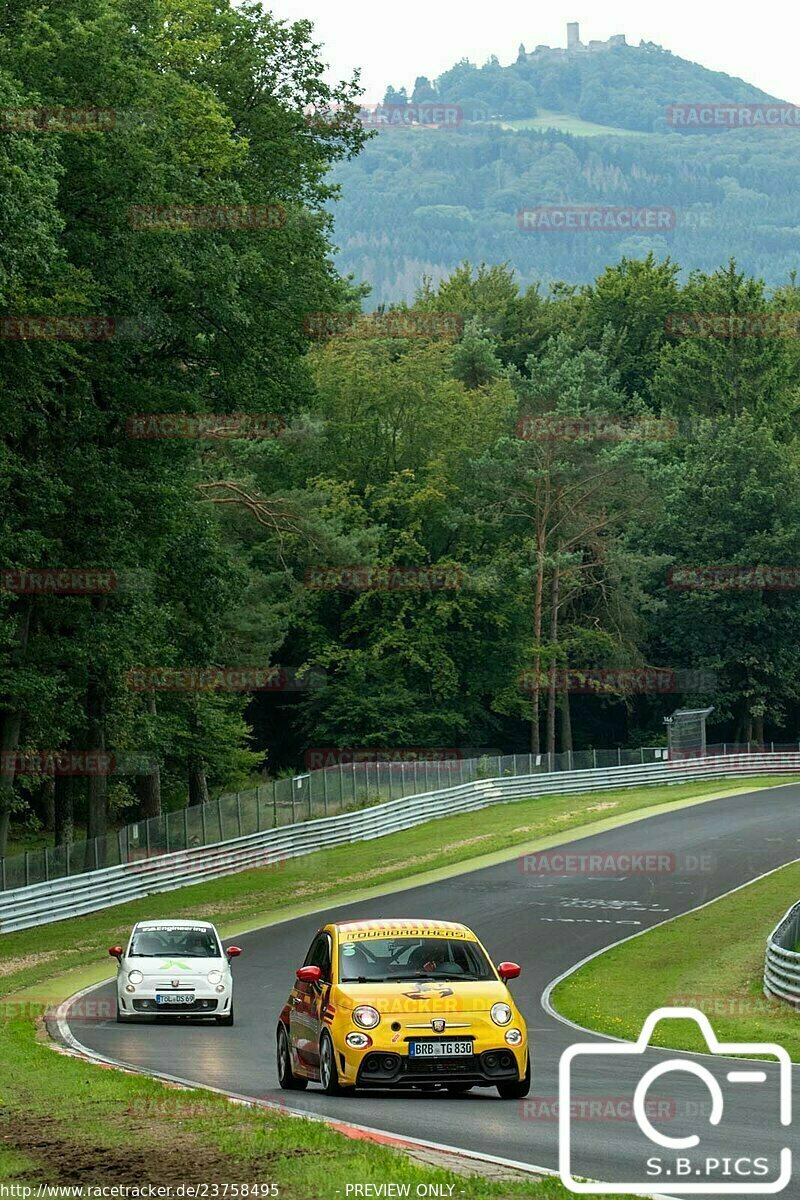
(306, 797)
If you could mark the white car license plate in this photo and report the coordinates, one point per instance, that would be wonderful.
(175, 998)
(431, 1049)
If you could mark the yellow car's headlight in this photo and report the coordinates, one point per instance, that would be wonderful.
(358, 1041)
(368, 1017)
(501, 1014)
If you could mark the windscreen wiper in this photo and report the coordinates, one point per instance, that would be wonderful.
(426, 975)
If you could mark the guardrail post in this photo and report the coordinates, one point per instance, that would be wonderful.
(239, 812)
(275, 803)
(619, 756)
(258, 808)
(203, 824)
(47, 864)
(122, 858)
(27, 868)
(3, 873)
(186, 828)
(96, 853)
(325, 792)
(67, 862)
(292, 787)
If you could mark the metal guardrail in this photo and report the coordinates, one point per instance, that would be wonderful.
(782, 964)
(319, 793)
(73, 896)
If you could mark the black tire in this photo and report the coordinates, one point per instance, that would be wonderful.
(458, 1089)
(286, 1077)
(328, 1071)
(517, 1089)
(229, 1020)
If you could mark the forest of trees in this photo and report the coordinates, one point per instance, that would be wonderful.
(394, 443)
(422, 200)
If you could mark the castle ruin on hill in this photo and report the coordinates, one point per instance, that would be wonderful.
(574, 45)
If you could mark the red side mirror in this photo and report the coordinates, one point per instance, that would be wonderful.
(309, 974)
(115, 952)
(233, 952)
(508, 970)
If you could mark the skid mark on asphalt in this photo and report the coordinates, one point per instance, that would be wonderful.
(587, 921)
(608, 905)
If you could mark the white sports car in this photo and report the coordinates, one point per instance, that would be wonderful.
(174, 968)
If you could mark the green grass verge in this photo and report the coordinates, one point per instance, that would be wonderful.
(65, 1121)
(567, 123)
(711, 959)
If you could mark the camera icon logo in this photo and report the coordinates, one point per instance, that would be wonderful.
(680, 1168)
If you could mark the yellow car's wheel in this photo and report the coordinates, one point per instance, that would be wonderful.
(517, 1089)
(328, 1073)
(286, 1076)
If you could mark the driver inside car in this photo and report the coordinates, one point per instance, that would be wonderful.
(434, 958)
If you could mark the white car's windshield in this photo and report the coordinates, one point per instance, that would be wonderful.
(386, 960)
(176, 941)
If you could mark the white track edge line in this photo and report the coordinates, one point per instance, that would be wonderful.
(546, 998)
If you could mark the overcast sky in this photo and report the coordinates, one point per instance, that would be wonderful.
(395, 42)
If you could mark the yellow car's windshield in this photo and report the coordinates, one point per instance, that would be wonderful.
(386, 960)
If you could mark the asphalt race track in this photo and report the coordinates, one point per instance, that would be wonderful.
(547, 923)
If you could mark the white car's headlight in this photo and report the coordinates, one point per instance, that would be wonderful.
(367, 1017)
(215, 976)
(501, 1014)
(135, 976)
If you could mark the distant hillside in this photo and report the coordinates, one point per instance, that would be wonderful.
(420, 201)
(626, 86)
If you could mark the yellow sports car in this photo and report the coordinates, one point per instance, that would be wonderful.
(402, 1004)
